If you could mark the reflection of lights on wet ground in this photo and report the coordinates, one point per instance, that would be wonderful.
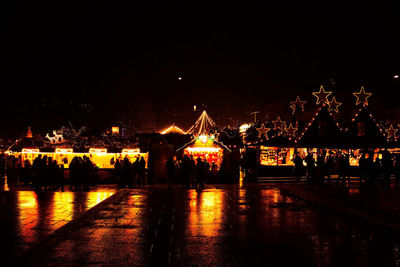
(95, 198)
(241, 177)
(354, 190)
(205, 212)
(27, 207)
(37, 217)
(63, 207)
(5, 185)
(130, 229)
(242, 200)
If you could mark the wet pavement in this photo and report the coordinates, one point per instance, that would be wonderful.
(28, 216)
(253, 225)
(378, 201)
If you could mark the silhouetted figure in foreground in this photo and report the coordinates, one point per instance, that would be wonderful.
(330, 162)
(170, 171)
(126, 172)
(387, 167)
(362, 167)
(310, 166)
(141, 171)
(298, 166)
(320, 167)
(185, 171)
(200, 174)
(118, 172)
(214, 172)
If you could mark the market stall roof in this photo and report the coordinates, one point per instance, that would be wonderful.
(173, 129)
(114, 144)
(26, 142)
(146, 140)
(210, 140)
(230, 137)
(277, 141)
(323, 131)
(203, 125)
(364, 131)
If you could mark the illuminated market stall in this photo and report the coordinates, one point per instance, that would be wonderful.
(99, 156)
(365, 136)
(63, 150)
(205, 147)
(273, 145)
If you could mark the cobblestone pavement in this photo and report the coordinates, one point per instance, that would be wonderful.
(28, 216)
(253, 225)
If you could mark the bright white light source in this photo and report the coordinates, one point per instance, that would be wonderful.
(396, 76)
(180, 78)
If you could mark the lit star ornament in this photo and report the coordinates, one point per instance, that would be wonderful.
(297, 104)
(263, 131)
(391, 132)
(290, 130)
(322, 96)
(279, 124)
(333, 105)
(362, 97)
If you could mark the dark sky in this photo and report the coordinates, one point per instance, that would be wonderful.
(94, 62)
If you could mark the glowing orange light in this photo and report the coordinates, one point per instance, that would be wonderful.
(203, 138)
(115, 130)
(204, 149)
(30, 150)
(98, 150)
(130, 150)
(362, 97)
(173, 128)
(64, 150)
(205, 216)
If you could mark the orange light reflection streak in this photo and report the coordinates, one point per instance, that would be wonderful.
(205, 212)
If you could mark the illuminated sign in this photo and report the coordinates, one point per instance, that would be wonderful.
(131, 151)
(203, 138)
(98, 150)
(64, 150)
(204, 149)
(30, 150)
(115, 130)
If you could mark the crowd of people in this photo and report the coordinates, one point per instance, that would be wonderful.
(130, 174)
(371, 167)
(190, 172)
(83, 173)
(45, 174)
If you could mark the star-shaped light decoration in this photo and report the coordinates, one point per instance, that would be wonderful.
(279, 124)
(333, 105)
(322, 96)
(297, 104)
(391, 132)
(290, 130)
(362, 97)
(262, 131)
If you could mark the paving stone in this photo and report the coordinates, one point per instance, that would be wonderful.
(224, 226)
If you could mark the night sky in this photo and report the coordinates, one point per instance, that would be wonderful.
(94, 63)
